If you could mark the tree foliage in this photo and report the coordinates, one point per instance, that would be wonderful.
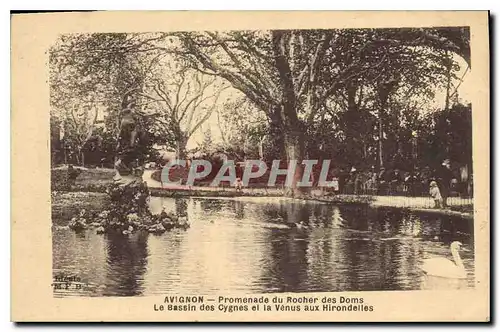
(346, 94)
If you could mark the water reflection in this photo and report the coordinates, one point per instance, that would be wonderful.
(238, 209)
(127, 257)
(181, 206)
(266, 245)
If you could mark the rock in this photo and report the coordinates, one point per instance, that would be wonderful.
(104, 214)
(77, 224)
(157, 229)
(132, 217)
(60, 227)
(301, 225)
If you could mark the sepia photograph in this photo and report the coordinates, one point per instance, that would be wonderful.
(387, 108)
(213, 166)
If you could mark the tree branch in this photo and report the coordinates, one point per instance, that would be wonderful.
(207, 114)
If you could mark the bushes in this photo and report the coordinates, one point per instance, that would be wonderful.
(59, 179)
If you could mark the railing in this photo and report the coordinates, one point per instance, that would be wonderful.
(406, 195)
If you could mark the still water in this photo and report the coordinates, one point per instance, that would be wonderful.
(264, 245)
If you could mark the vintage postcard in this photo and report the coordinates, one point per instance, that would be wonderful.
(250, 166)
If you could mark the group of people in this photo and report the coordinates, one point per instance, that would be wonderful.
(439, 182)
(391, 181)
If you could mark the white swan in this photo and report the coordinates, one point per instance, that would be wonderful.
(442, 267)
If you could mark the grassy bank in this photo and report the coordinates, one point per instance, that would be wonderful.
(89, 179)
(66, 205)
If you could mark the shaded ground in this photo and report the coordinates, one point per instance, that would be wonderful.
(66, 205)
(89, 179)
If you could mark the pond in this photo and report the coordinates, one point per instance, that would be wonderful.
(264, 245)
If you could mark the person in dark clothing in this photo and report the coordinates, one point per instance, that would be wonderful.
(343, 177)
(371, 183)
(444, 176)
(382, 183)
(410, 184)
(72, 175)
(424, 177)
(395, 182)
(354, 180)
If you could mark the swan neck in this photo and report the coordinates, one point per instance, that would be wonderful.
(457, 259)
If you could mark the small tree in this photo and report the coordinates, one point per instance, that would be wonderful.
(180, 101)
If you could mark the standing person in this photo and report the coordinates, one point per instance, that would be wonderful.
(72, 175)
(396, 180)
(424, 177)
(435, 194)
(343, 177)
(444, 176)
(382, 183)
(470, 186)
(238, 185)
(371, 183)
(354, 179)
(409, 183)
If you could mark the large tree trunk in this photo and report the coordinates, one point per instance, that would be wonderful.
(384, 90)
(261, 148)
(354, 128)
(276, 131)
(295, 150)
(293, 129)
(448, 81)
(55, 141)
(380, 140)
(78, 156)
(180, 149)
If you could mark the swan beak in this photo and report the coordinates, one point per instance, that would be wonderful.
(465, 250)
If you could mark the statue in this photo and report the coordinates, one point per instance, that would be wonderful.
(129, 162)
(128, 210)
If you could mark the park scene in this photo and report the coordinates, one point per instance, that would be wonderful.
(178, 161)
